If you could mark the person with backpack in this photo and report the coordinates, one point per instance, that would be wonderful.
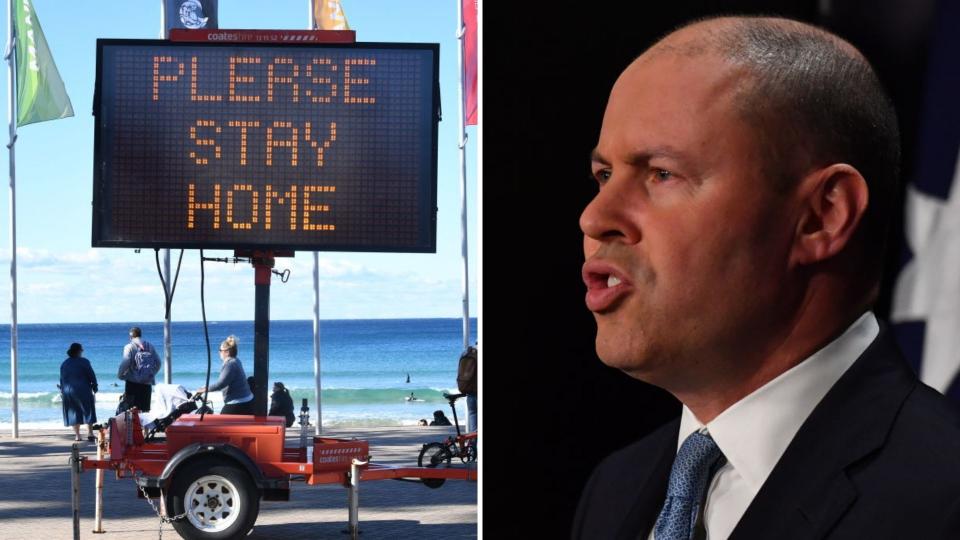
(467, 384)
(138, 368)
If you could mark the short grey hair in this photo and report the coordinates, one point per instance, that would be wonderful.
(813, 100)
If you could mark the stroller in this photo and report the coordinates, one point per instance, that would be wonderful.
(177, 401)
(160, 424)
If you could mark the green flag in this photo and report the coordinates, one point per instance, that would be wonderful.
(40, 92)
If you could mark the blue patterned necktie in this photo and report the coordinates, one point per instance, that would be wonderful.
(689, 478)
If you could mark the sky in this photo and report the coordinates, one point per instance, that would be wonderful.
(61, 278)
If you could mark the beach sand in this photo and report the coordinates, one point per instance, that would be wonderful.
(35, 495)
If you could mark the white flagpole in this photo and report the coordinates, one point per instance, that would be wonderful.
(167, 286)
(311, 24)
(11, 60)
(461, 35)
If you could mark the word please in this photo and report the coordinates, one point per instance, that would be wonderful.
(225, 206)
(318, 81)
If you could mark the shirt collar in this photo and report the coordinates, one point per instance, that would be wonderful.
(754, 432)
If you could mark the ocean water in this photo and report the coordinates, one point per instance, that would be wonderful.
(364, 365)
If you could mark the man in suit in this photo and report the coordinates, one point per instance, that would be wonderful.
(747, 168)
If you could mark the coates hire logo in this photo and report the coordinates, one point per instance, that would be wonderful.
(223, 36)
(191, 15)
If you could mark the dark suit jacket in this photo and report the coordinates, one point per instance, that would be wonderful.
(879, 457)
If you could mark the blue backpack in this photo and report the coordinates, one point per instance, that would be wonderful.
(144, 366)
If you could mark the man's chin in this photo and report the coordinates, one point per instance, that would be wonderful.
(630, 362)
(629, 352)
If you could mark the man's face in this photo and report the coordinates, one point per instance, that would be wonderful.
(686, 241)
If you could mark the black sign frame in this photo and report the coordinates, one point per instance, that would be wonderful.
(103, 234)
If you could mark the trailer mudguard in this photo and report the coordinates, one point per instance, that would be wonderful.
(195, 450)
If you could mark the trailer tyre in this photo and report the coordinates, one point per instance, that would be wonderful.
(434, 455)
(220, 501)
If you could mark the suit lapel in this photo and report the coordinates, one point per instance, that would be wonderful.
(653, 492)
(809, 489)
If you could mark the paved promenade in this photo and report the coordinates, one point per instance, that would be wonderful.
(35, 496)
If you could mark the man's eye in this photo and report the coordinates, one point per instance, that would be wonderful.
(662, 175)
(602, 176)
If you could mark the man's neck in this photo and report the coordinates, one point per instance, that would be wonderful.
(742, 376)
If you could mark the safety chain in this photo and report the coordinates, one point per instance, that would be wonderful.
(136, 476)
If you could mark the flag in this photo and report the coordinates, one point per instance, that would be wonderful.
(469, 8)
(190, 14)
(329, 15)
(926, 298)
(41, 95)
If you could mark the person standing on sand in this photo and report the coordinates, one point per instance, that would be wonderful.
(281, 403)
(135, 394)
(440, 419)
(467, 383)
(77, 385)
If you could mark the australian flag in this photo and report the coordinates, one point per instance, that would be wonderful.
(926, 298)
(190, 14)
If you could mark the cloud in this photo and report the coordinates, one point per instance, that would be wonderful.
(100, 285)
(54, 260)
(44, 288)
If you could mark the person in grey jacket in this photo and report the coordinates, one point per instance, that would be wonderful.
(237, 397)
(135, 394)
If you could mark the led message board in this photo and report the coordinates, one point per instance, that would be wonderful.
(254, 146)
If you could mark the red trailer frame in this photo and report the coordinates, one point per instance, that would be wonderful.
(247, 456)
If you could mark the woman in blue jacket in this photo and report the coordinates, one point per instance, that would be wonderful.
(77, 385)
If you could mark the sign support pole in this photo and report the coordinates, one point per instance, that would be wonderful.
(263, 266)
(167, 338)
(316, 339)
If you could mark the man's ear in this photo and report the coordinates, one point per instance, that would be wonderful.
(833, 201)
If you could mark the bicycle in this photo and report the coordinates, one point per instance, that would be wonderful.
(440, 454)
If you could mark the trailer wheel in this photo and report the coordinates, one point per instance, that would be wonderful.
(220, 501)
(434, 455)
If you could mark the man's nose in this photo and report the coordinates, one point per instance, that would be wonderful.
(612, 215)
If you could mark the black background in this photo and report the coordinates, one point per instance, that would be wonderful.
(547, 71)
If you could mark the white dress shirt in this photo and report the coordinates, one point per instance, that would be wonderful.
(754, 432)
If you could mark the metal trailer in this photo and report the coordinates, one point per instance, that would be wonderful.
(209, 475)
